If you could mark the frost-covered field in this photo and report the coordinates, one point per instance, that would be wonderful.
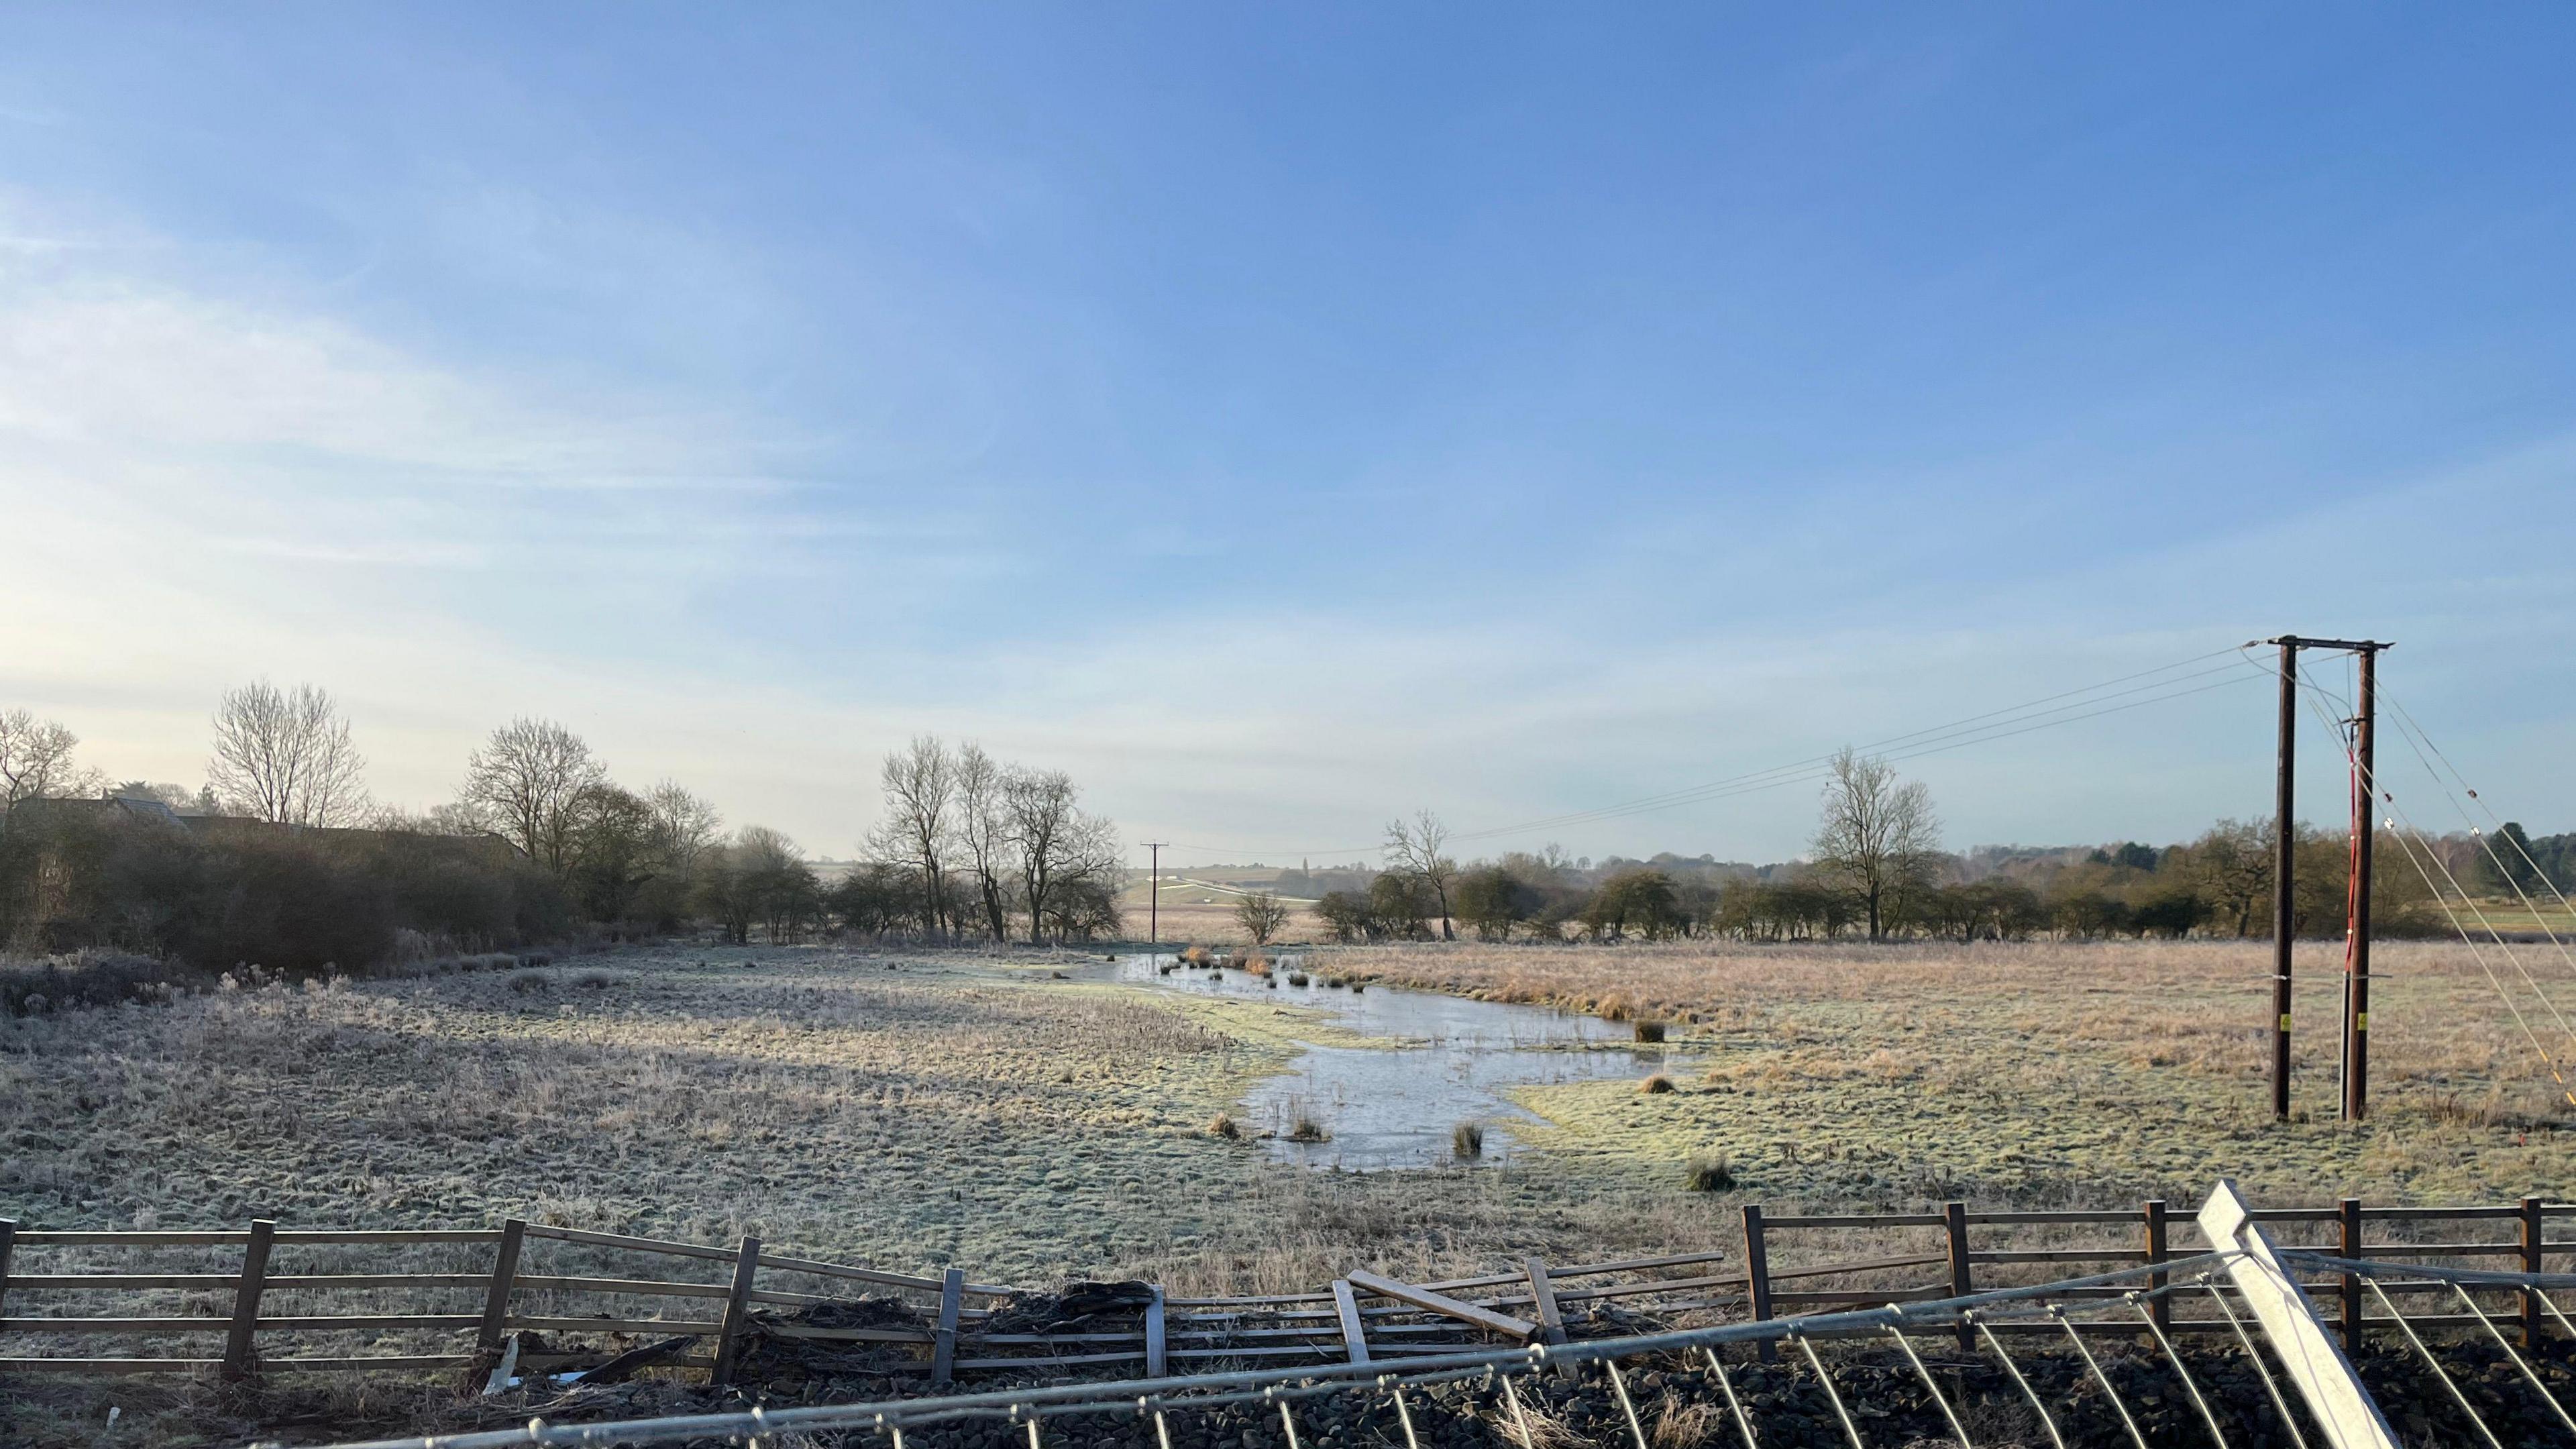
(915, 1110)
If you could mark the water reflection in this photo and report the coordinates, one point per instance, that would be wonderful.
(1453, 1061)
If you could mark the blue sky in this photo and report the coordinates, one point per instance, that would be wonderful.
(1284, 416)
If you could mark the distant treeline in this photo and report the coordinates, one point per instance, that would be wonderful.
(282, 861)
(2217, 885)
(217, 892)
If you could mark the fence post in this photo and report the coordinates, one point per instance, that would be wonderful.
(1954, 1216)
(505, 1273)
(1757, 1274)
(1551, 1314)
(1346, 1307)
(2533, 1251)
(943, 1341)
(2160, 1307)
(1157, 1348)
(240, 1362)
(746, 1263)
(2349, 1244)
(8, 1235)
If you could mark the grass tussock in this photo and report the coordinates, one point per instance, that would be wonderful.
(1467, 1140)
(1649, 1031)
(93, 979)
(1534, 1426)
(1656, 1085)
(1680, 1423)
(1708, 1172)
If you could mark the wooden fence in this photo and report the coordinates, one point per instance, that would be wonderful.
(475, 1299)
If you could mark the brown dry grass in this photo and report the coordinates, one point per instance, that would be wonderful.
(1215, 923)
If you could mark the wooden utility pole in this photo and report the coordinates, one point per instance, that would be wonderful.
(1154, 896)
(2284, 855)
(2365, 794)
(2356, 993)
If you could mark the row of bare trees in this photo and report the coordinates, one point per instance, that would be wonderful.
(977, 846)
(286, 756)
(989, 845)
(280, 755)
(1877, 841)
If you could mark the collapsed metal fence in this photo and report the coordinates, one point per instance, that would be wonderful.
(2311, 1391)
(270, 1301)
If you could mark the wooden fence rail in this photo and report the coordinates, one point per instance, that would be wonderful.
(1360, 1314)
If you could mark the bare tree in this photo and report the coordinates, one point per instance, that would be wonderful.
(1261, 914)
(984, 834)
(35, 761)
(1058, 846)
(284, 756)
(2231, 863)
(684, 825)
(1413, 848)
(525, 781)
(614, 850)
(781, 887)
(1878, 838)
(921, 817)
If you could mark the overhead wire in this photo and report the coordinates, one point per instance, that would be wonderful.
(2415, 739)
(2483, 807)
(1971, 724)
(2433, 1363)
(1817, 768)
(2045, 712)
(2519, 1362)
(2480, 958)
(2370, 780)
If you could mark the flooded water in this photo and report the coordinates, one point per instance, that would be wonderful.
(1448, 1060)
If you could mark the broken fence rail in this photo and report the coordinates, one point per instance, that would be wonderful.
(1187, 1392)
(505, 1299)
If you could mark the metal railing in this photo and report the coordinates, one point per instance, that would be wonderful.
(2311, 1391)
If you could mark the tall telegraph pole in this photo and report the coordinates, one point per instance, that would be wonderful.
(2356, 991)
(1154, 894)
(2365, 794)
(2284, 856)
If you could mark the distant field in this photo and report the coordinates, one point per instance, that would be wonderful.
(1214, 925)
(1199, 907)
(2516, 918)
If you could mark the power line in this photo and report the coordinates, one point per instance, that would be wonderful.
(2044, 712)
(2419, 740)
(1821, 769)
(2029, 709)
(2317, 699)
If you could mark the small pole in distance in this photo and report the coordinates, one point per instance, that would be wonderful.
(1154, 896)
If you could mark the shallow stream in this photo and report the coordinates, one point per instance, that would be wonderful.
(1445, 1060)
